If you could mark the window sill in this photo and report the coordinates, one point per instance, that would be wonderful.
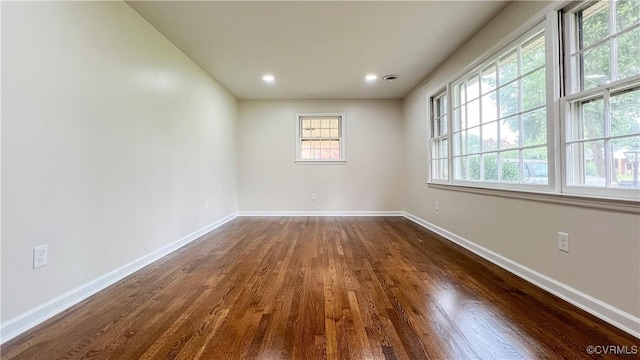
(320, 162)
(617, 205)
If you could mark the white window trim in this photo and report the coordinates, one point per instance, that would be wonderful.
(581, 201)
(571, 95)
(614, 193)
(550, 26)
(553, 44)
(342, 160)
(557, 191)
(430, 116)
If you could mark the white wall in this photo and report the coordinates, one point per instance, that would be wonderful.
(371, 180)
(604, 261)
(112, 140)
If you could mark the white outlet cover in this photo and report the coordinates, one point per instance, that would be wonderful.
(40, 256)
(563, 242)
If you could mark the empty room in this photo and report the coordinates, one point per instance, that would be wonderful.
(320, 180)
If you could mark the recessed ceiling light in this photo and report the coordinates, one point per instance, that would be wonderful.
(371, 77)
(269, 78)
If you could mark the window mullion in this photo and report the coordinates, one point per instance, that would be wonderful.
(481, 123)
(569, 30)
(613, 48)
(553, 68)
(434, 118)
(450, 168)
(608, 156)
(520, 107)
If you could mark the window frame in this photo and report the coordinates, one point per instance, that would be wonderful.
(547, 25)
(557, 191)
(443, 93)
(573, 94)
(341, 138)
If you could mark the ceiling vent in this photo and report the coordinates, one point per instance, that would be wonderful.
(390, 78)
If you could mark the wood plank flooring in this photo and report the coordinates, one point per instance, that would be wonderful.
(320, 288)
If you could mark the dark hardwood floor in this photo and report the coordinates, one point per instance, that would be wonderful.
(316, 288)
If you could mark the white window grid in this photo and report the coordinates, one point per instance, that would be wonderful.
(563, 92)
(578, 50)
(320, 138)
(465, 152)
(439, 137)
(582, 88)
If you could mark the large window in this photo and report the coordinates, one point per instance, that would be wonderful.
(320, 138)
(439, 137)
(557, 110)
(602, 98)
(500, 117)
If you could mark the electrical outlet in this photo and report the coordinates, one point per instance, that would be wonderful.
(314, 197)
(563, 242)
(40, 256)
(206, 206)
(437, 205)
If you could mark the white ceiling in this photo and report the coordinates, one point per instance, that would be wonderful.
(319, 49)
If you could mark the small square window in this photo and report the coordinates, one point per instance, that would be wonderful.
(320, 138)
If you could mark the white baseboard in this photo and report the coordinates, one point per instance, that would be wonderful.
(588, 303)
(321, 213)
(25, 321)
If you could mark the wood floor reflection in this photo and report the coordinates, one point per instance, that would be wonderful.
(320, 288)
